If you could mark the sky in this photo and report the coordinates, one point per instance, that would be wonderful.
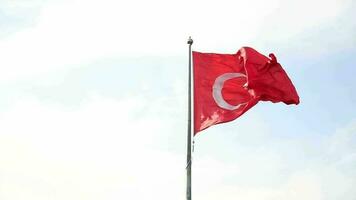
(93, 100)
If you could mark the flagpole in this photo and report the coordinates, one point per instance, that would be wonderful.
(189, 138)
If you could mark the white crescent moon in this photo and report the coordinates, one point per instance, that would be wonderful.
(218, 86)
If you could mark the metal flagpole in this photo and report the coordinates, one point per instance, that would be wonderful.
(189, 138)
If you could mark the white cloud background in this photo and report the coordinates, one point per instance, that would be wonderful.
(90, 153)
(84, 115)
(68, 33)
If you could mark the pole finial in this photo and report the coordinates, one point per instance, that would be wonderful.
(190, 41)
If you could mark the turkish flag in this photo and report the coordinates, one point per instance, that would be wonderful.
(227, 85)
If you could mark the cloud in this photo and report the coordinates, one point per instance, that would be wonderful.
(102, 150)
(69, 34)
(268, 166)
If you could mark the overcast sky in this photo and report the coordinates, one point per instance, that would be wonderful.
(93, 101)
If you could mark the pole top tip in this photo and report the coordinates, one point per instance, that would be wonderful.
(190, 41)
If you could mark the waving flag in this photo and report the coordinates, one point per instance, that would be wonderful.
(227, 85)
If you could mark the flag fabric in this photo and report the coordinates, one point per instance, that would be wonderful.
(227, 85)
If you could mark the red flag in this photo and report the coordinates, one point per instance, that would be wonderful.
(227, 85)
